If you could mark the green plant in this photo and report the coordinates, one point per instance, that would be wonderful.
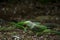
(38, 29)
